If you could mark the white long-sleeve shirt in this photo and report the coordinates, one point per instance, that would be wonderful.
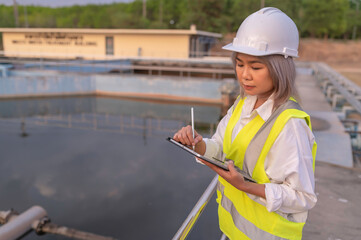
(288, 164)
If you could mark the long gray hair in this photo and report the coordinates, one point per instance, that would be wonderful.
(283, 74)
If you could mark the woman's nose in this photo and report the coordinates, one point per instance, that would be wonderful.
(246, 73)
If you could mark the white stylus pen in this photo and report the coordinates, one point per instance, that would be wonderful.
(192, 119)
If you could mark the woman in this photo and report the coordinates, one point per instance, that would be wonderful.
(264, 133)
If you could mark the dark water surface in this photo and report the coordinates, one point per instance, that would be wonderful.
(102, 165)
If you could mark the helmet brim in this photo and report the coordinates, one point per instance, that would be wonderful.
(252, 51)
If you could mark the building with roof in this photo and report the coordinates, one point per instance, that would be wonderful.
(106, 43)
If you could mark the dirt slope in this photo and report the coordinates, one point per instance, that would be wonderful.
(343, 56)
(338, 53)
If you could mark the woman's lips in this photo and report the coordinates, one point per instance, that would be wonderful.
(248, 87)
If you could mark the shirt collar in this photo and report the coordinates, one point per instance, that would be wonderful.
(264, 111)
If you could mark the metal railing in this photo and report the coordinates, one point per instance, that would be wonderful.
(157, 53)
(337, 87)
(216, 69)
(345, 98)
(197, 210)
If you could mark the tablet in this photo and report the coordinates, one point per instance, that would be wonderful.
(218, 163)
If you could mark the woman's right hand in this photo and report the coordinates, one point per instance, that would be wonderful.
(185, 136)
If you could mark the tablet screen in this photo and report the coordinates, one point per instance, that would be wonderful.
(214, 161)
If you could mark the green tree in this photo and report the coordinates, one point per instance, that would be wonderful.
(353, 17)
(6, 16)
(324, 18)
(206, 14)
(173, 12)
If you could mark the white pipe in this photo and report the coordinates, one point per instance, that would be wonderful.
(19, 225)
(223, 237)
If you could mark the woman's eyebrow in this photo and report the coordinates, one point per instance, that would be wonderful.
(254, 61)
(238, 59)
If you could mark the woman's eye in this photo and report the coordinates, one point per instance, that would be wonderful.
(256, 68)
(240, 65)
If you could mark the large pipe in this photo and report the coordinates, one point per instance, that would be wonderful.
(21, 224)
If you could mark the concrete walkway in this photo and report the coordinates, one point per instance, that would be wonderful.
(337, 213)
(334, 145)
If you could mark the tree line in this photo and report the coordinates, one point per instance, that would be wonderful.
(314, 18)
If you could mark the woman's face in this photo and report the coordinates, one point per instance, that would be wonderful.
(253, 76)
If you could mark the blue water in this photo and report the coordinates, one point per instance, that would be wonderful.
(103, 165)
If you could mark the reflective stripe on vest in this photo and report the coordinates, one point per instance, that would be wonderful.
(232, 218)
(240, 217)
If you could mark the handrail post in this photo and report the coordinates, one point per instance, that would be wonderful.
(197, 210)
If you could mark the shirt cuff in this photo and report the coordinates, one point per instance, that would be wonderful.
(273, 196)
(211, 149)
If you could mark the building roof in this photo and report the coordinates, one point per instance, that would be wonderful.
(191, 31)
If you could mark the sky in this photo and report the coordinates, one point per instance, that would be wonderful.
(59, 3)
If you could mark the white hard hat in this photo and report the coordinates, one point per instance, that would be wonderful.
(265, 32)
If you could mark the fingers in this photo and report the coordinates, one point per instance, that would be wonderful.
(198, 138)
(185, 136)
(232, 169)
(235, 177)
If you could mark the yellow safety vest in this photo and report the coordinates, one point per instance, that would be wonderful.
(239, 216)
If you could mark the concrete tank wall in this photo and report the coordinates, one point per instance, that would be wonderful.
(160, 87)
(51, 83)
